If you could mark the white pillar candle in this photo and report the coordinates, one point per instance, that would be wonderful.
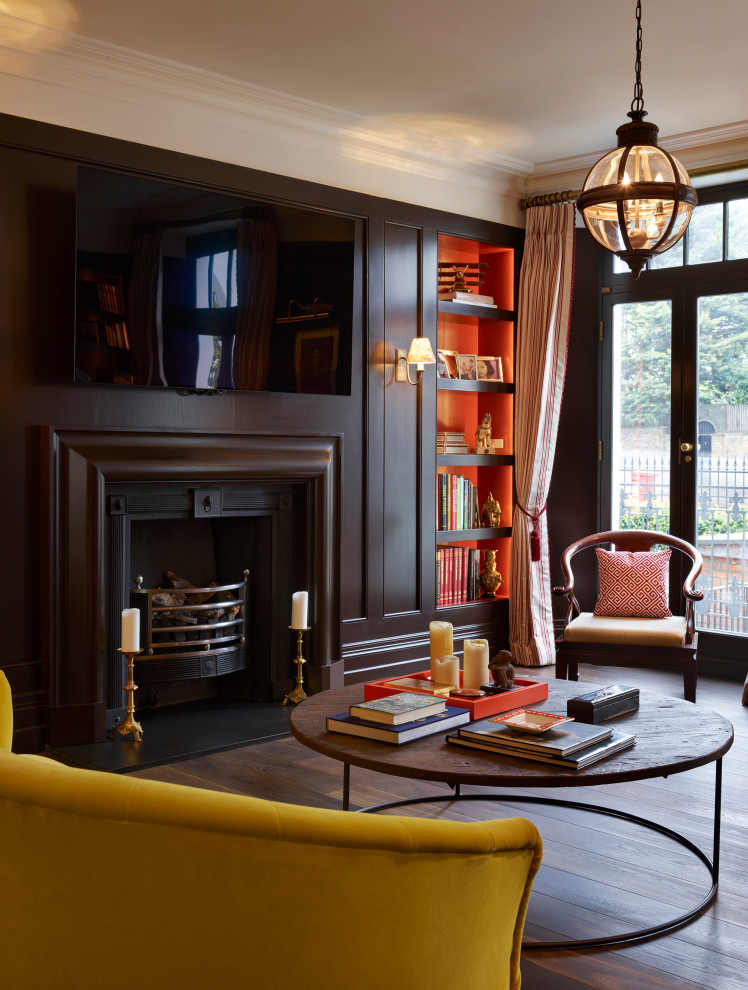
(440, 642)
(475, 663)
(446, 671)
(130, 630)
(299, 606)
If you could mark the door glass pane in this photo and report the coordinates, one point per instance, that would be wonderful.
(670, 259)
(640, 459)
(722, 471)
(705, 234)
(737, 229)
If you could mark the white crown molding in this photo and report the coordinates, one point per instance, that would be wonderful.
(111, 72)
(700, 144)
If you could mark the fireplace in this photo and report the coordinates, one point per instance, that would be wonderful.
(123, 505)
(168, 543)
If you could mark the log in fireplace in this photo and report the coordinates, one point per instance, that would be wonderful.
(123, 505)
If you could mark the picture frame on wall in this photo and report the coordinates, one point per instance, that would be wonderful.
(467, 366)
(316, 360)
(446, 364)
(489, 368)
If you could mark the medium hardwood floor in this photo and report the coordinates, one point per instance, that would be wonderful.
(599, 875)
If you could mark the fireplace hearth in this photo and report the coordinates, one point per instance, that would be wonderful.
(123, 505)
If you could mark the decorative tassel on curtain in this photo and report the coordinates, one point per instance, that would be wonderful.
(256, 278)
(544, 311)
(146, 333)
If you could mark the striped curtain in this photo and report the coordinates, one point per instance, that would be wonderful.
(256, 279)
(146, 332)
(544, 310)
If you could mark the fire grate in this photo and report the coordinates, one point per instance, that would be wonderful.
(191, 632)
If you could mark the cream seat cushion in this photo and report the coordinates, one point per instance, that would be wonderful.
(589, 628)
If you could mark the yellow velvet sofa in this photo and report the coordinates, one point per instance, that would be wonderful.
(109, 880)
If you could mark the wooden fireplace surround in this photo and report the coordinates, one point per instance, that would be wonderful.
(76, 467)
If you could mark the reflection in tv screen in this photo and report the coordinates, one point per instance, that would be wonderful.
(183, 287)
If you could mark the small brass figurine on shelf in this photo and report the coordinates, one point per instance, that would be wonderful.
(483, 442)
(490, 515)
(490, 578)
(461, 277)
(298, 694)
(129, 725)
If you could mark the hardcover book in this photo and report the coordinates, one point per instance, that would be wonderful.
(576, 761)
(397, 708)
(450, 718)
(467, 297)
(561, 741)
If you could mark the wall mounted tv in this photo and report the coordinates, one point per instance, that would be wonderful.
(179, 286)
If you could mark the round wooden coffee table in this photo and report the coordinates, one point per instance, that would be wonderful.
(672, 736)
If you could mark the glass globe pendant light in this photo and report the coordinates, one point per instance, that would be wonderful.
(637, 200)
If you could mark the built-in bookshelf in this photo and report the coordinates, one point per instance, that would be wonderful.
(102, 338)
(475, 378)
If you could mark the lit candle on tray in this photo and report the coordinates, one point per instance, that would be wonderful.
(446, 671)
(475, 663)
(440, 642)
(299, 606)
(130, 630)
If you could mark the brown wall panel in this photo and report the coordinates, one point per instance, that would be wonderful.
(384, 429)
(402, 261)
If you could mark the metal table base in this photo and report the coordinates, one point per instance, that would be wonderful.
(626, 938)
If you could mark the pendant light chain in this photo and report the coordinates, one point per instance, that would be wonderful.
(637, 104)
(637, 199)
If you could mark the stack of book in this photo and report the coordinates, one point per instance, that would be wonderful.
(476, 298)
(398, 718)
(451, 443)
(456, 502)
(457, 574)
(571, 745)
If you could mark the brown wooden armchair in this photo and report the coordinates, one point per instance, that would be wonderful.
(629, 640)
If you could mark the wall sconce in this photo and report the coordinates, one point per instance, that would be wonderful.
(420, 354)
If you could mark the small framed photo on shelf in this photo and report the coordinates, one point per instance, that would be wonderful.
(467, 366)
(446, 364)
(489, 369)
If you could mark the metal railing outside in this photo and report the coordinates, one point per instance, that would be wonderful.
(643, 487)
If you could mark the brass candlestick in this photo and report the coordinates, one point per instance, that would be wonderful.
(298, 694)
(129, 725)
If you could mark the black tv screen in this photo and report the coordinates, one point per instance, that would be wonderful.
(183, 287)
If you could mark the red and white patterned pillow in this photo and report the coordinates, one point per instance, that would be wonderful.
(633, 583)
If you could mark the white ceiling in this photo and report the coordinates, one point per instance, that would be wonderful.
(534, 81)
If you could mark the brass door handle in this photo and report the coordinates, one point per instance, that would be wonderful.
(686, 447)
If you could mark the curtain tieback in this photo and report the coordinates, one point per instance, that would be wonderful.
(535, 534)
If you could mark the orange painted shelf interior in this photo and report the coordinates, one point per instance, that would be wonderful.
(461, 411)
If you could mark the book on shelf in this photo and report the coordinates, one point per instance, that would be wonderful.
(467, 297)
(450, 718)
(457, 502)
(446, 435)
(560, 741)
(397, 708)
(457, 572)
(576, 761)
(461, 448)
(110, 296)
